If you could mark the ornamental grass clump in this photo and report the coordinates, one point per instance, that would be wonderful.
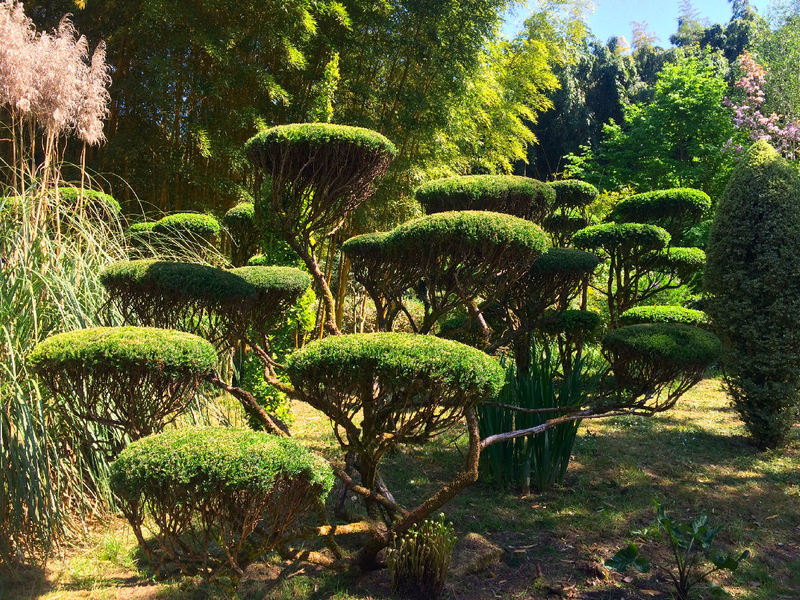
(133, 379)
(418, 560)
(217, 498)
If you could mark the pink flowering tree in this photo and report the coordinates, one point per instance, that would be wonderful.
(748, 115)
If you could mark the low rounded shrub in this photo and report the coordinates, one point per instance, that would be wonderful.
(188, 224)
(664, 314)
(93, 199)
(218, 304)
(240, 216)
(622, 237)
(135, 379)
(207, 489)
(319, 135)
(573, 193)
(510, 194)
(652, 357)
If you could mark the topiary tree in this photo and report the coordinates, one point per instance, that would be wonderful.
(573, 193)
(133, 379)
(677, 210)
(627, 247)
(318, 174)
(186, 234)
(244, 235)
(568, 213)
(217, 498)
(509, 194)
(242, 305)
(457, 258)
(753, 266)
(569, 330)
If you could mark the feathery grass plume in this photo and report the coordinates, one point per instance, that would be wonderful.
(93, 106)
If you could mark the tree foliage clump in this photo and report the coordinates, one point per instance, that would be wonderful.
(222, 306)
(188, 224)
(573, 193)
(753, 266)
(99, 203)
(655, 363)
(207, 490)
(133, 379)
(244, 234)
(676, 210)
(519, 196)
(664, 314)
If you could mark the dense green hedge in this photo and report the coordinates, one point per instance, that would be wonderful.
(204, 490)
(573, 193)
(366, 246)
(122, 348)
(664, 314)
(194, 224)
(621, 236)
(520, 196)
(320, 134)
(559, 223)
(678, 260)
(396, 360)
(467, 230)
(93, 197)
(752, 276)
(681, 346)
(655, 206)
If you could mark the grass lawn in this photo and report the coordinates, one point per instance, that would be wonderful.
(692, 459)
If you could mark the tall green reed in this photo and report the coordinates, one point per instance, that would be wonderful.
(49, 282)
(537, 461)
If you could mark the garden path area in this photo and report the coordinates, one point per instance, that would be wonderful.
(690, 459)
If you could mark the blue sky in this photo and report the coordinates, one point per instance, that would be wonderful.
(613, 17)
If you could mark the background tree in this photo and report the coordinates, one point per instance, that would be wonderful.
(752, 270)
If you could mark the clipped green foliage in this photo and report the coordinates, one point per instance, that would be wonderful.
(664, 314)
(93, 199)
(570, 321)
(143, 227)
(753, 257)
(244, 234)
(648, 358)
(573, 193)
(621, 237)
(681, 262)
(676, 210)
(188, 224)
(220, 305)
(510, 194)
(419, 559)
(564, 224)
(207, 488)
(320, 135)
(135, 379)
(564, 260)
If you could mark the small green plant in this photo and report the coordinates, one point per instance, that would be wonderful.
(690, 545)
(418, 560)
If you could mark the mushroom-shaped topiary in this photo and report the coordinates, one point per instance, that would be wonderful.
(407, 387)
(562, 226)
(664, 314)
(318, 175)
(191, 224)
(627, 247)
(463, 255)
(676, 210)
(135, 379)
(207, 489)
(222, 306)
(384, 280)
(573, 193)
(655, 363)
(95, 202)
(510, 194)
(244, 235)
